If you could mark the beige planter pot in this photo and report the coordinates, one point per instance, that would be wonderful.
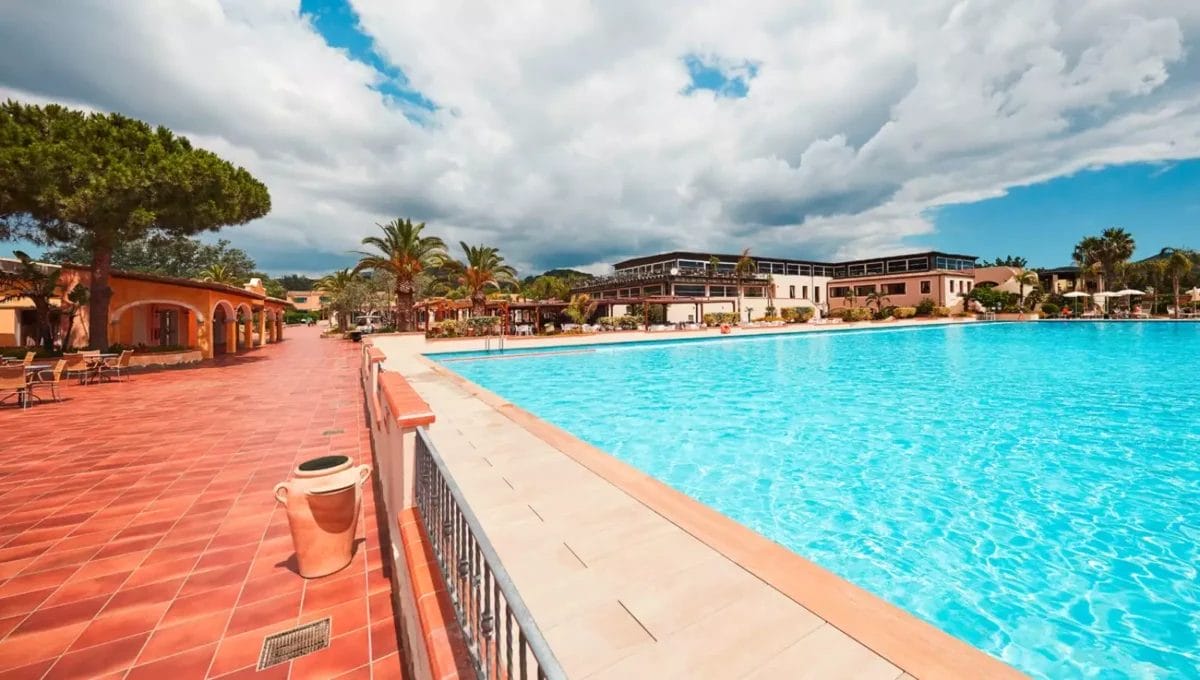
(324, 501)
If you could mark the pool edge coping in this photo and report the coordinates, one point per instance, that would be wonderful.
(911, 644)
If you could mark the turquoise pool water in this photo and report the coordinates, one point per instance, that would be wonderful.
(1033, 489)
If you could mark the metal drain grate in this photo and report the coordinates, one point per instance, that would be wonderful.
(294, 643)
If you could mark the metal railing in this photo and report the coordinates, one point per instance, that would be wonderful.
(500, 634)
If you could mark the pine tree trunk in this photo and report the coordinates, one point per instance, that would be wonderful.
(46, 336)
(101, 293)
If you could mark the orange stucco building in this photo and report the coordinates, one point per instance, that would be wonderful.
(152, 310)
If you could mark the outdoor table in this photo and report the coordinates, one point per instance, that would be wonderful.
(33, 368)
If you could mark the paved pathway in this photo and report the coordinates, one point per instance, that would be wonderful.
(138, 533)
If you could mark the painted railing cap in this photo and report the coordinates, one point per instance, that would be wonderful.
(407, 407)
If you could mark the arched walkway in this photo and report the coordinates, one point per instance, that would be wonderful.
(157, 322)
(224, 328)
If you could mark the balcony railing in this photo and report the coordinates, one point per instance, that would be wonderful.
(638, 278)
(501, 635)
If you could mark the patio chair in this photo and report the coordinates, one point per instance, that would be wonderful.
(14, 384)
(52, 379)
(117, 365)
(77, 366)
(29, 357)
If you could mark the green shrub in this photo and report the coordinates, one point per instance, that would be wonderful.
(626, 322)
(19, 352)
(839, 313)
(147, 349)
(925, 307)
(856, 314)
(941, 311)
(483, 325)
(1050, 309)
(450, 328)
(905, 312)
(797, 314)
(293, 316)
(718, 318)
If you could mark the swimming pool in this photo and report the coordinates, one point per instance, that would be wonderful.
(1033, 489)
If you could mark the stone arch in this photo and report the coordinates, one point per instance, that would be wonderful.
(244, 307)
(200, 315)
(224, 304)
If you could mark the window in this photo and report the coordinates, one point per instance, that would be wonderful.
(864, 290)
(970, 285)
(689, 291)
(895, 289)
(874, 267)
(953, 263)
(652, 290)
(817, 294)
(764, 267)
(856, 269)
(792, 292)
(754, 291)
(925, 288)
(300, 299)
(793, 270)
(838, 291)
(804, 292)
(804, 270)
(609, 294)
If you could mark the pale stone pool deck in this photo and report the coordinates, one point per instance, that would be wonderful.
(628, 578)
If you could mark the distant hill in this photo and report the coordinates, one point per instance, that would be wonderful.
(567, 274)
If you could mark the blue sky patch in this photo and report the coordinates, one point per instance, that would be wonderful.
(338, 24)
(719, 76)
(1156, 202)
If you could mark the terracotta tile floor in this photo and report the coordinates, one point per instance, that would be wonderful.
(139, 537)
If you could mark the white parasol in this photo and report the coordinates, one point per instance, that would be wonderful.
(1076, 294)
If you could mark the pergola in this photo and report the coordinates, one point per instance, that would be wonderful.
(440, 309)
(513, 311)
(666, 300)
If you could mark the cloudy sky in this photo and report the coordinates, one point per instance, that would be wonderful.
(573, 133)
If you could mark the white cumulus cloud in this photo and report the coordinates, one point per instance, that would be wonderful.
(565, 132)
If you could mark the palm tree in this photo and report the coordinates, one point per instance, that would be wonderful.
(850, 299)
(743, 268)
(1116, 247)
(78, 299)
(878, 298)
(547, 288)
(335, 285)
(581, 308)
(219, 273)
(1024, 278)
(1179, 265)
(1087, 258)
(39, 284)
(484, 269)
(403, 253)
(714, 263)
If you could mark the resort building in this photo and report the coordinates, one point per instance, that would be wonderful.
(153, 310)
(690, 284)
(308, 300)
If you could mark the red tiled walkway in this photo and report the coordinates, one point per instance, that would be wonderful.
(139, 537)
